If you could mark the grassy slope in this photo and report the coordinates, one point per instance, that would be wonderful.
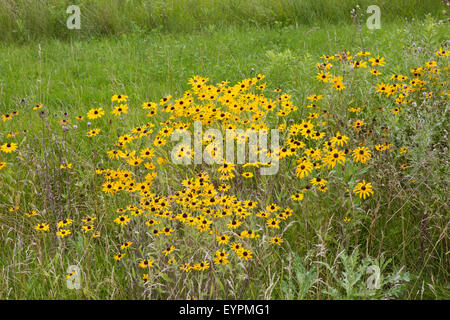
(81, 74)
(22, 20)
(77, 75)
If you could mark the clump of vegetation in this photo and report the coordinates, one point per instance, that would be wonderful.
(356, 208)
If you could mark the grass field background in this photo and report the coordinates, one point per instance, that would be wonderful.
(25, 20)
(148, 50)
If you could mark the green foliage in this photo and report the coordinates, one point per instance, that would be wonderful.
(299, 280)
(25, 20)
(350, 282)
(148, 59)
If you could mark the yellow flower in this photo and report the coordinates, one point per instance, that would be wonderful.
(303, 169)
(223, 239)
(168, 250)
(65, 222)
(93, 132)
(335, 156)
(358, 124)
(119, 98)
(233, 224)
(95, 113)
(297, 197)
(126, 245)
(318, 181)
(339, 139)
(146, 263)
(88, 219)
(9, 147)
(247, 174)
(117, 111)
(122, 220)
(119, 256)
(363, 189)
(273, 223)
(63, 232)
(96, 235)
(377, 61)
(204, 265)
(361, 154)
(86, 229)
(244, 253)
(276, 240)
(42, 227)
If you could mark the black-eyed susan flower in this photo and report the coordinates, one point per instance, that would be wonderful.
(234, 223)
(358, 64)
(126, 245)
(276, 240)
(119, 98)
(221, 261)
(223, 239)
(361, 154)
(244, 254)
(64, 222)
(147, 153)
(339, 86)
(304, 168)
(88, 228)
(339, 139)
(146, 263)
(63, 233)
(235, 246)
(93, 132)
(333, 157)
(119, 256)
(167, 231)
(273, 223)
(315, 97)
(202, 266)
(118, 110)
(88, 219)
(42, 227)
(169, 250)
(318, 181)
(247, 175)
(30, 214)
(358, 124)
(95, 113)
(363, 189)
(8, 147)
(96, 234)
(272, 207)
(6, 117)
(297, 196)
(122, 220)
(375, 72)
(378, 61)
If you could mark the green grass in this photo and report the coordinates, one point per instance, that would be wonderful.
(80, 74)
(405, 222)
(24, 20)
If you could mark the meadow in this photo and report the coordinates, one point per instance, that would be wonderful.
(357, 210)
